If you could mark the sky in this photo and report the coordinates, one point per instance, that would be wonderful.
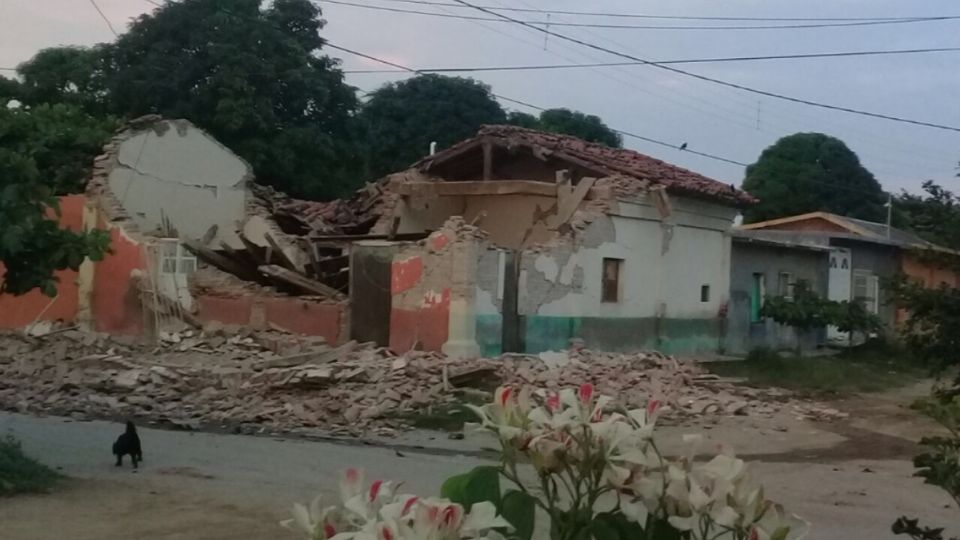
(645, 100)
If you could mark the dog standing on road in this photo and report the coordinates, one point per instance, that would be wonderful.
(128, 444)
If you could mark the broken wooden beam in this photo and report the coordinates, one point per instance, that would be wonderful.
(219, 261)
(280, 254)
(298, 281)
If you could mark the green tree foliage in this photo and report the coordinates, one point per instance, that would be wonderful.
(252, 76)
(808, 172)
(805, 311)
(934, 216)
(71, 75)
(43, 151)
(403, 118)
(584, 126)
(932, 329)
(9, 91)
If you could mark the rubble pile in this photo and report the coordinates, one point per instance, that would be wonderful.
(245, 382)
(276, 382)
(685, 388)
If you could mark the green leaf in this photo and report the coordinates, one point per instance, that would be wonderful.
(603, 528)
(455, 488)
(519, 509)
(483, 484)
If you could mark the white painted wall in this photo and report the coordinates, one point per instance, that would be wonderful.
(177, 171)
(698, 254)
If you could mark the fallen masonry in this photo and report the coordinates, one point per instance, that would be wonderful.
(278, 382)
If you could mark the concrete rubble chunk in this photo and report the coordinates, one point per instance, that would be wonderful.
(240, 381)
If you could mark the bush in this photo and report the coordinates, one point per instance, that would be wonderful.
(22, 474)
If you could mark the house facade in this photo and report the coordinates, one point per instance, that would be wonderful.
(556, 239)
(762, 266)
(863, 255)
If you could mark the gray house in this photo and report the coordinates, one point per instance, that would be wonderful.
(765, 265)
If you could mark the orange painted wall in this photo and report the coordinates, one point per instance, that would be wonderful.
(930, 275)
(116, 297)
(20, 311)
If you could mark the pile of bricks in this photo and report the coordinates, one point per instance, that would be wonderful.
(276, 382)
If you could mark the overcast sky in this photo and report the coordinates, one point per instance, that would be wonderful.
(640, 99)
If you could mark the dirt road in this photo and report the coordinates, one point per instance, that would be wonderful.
(206, 486)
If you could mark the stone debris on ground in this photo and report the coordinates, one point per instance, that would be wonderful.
(271, 381)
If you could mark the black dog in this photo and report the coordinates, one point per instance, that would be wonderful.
(128, 444)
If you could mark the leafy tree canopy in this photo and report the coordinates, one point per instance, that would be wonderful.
(44, 151)
(808, 172)
(72, 75)
(254, 78)
(934, 216)
(403, 118)
(585, 126)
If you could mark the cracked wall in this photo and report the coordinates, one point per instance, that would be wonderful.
(172, 170)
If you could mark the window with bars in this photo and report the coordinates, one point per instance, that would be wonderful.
(785, 285)
(612, 269)
(866, 289)
(175, 259)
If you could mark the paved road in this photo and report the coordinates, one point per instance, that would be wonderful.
(232, 478)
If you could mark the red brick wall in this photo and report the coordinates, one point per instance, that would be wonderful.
(290, 313)
(20, 311)
(116, 296)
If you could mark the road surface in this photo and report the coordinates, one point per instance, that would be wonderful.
(210, 486)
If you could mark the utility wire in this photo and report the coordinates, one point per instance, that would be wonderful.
(515, 101)
(539, 108)
(680, 61)
(645, 27)
(716, 81)
(104, 17)
(666, 17)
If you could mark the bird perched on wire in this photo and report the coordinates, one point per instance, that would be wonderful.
(683, 146)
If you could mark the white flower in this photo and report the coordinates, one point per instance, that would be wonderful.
(482, 517)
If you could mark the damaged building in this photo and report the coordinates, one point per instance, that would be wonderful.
(512, 241)
(538, 239)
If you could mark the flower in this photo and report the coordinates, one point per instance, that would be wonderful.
(317, 522)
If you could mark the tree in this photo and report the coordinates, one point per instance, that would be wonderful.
(585, 126)
(808, 172)
(254, 78)
(934, 216)
(43, 151)
(403, 118)
(806, 311)
(9, 91)
(72, 75)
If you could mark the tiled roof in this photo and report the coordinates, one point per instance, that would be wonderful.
(627, 162)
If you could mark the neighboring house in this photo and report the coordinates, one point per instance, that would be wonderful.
(862, 255)
(158, 186)
(572, 240)
(763, 266)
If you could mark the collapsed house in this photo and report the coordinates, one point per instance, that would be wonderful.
(512, 241)
(539, 239)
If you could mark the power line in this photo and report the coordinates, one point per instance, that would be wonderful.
(680, 61)
(104, 17)
(646, 27)
(717, 81)
(515, 101)
(539, 108)
(666, 17)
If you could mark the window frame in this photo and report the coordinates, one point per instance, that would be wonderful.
(611, 288)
